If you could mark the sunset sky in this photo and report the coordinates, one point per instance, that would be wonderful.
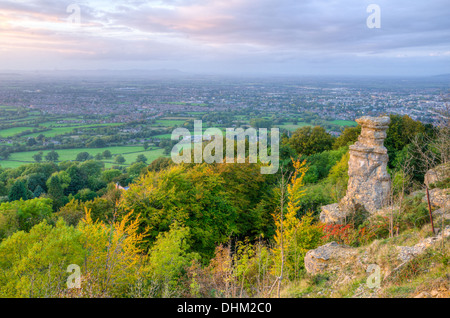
(300, 37)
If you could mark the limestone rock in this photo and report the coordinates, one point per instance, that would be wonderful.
(442, 212)
(369, 182)
(332, 214)
(439, 198)
(407, 253)
(439, 173)
(331, 257)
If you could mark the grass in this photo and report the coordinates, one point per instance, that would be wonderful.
(68, 129)
(129, 153)
(13, 131)
(341, 122)
(169, 123)
(163, 136)
(291, 127)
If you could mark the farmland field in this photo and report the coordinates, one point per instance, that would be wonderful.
(291, 127)
(13, 131)
(343, 122)
(168, 123)
(130, 154)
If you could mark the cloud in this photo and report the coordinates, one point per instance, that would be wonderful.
(239, 32)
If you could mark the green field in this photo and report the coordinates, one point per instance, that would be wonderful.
(343, 122)
(291, 127)
(67, 129)
(169, 123)
(13, 131)
(130, 154)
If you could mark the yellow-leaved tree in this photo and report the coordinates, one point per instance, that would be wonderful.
(114, 259)
(294, 236)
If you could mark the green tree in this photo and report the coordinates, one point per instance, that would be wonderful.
(107, 154)
(260, 123)
(136, 169)
(119, 159)
(196, 198)
(348, 137)
(38, 191)
(78, 180)
(110, 174)
(83, 156)
(169, 257)
(52, 156)
(38, 157)
(34, 264)
(141, 158)
(56, 192)
(18, 191)
(310, 140)
(23, 215)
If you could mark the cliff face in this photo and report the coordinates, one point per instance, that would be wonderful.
(369, 182)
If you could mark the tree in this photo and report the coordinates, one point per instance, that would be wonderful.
(119, 159)
(78, 180)
(294, 236)
(18, 191)
(31, 142)
(307, 140)
(260, 123)
(52, 156)
(56, 192)
(402, 130)
(23, 215)
(38, 157)
(141, 158)
(40, 138)
(195, 197)
(136, 169)
(348, 136)
(146, 145)
(83, 156)
(110, 174)
(107, 154)
(169, 256)
(159, 164)
(38, 191)
(27, 273)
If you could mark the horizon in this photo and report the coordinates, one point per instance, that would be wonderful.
(231, 38)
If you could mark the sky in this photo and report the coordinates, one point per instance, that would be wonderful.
(286, 37)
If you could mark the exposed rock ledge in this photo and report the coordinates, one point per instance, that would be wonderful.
(337, 258)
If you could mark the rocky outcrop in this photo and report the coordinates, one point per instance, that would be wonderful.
(369, 182)
(439, 198)
(406, 253)
(332, 214)
(331, 257)
(344, 260)
(437, 174)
